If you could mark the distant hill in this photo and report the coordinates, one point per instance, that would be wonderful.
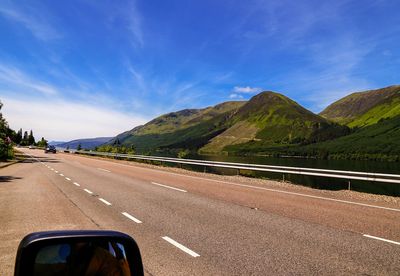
(87, 143)
(365, 108)
(55, 143)
(188, 128)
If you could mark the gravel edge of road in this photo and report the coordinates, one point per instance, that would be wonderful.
(287, 186)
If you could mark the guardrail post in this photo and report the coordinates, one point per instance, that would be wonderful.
(238, 172)
(283, 177)
(205, 169)
(349, 185)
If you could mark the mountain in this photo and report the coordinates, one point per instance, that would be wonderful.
(267, 119)
(188, 128)
(365, 108)
(55, 143)
(88, 143)
(359, 126)
(271, 119)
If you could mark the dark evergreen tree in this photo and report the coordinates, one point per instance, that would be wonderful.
(24, 141)
(42, 143)
(117, 142)
(18, 137)
(31, 139)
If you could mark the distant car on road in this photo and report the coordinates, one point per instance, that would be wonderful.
(30, 147)
(50, 149)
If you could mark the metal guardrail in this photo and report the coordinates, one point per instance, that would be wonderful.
(347, 175)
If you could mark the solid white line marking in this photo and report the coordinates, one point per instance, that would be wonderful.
(105, 201)
(181, 247)
(131, 217)
(77, 184)
(69, 179)
(61, 174)
(381, 239)
(284, 192)
(104, 170)
(165, 186)
(88, 191)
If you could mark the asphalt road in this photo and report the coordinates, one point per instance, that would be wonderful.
(187, 225)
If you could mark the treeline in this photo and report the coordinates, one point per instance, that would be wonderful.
(28, 139)
(116, 149)
(9, 138)
(6, 151)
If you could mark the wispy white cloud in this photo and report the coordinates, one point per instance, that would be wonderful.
(57, 119)
(235, 96)
(15, 78)
(135, 23)
(246, 89)
(31, 19)
(128, 14)
(137, 77)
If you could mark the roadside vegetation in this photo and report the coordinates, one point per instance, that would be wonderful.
(6, 151)
(10, 138)
(116, 147)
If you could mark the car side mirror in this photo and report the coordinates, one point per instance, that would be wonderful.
(78, 252)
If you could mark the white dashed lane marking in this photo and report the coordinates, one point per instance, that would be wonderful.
(104, 170)
(88, 191)
(76, 184)
(181, 247)
(131, 217)
(105, 201)
(69, 179)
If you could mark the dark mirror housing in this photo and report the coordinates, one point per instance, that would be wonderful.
(78, 252)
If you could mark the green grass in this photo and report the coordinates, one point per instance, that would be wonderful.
(388, 109)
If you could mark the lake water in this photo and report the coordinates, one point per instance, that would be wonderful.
(311, 181)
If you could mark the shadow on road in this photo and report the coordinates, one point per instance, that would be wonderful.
(40, 159)
(8, 178)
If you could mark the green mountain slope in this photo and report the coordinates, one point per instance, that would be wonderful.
(377, 141)
(270, 123)
(365, 108)
(183, 129)
(270, 119)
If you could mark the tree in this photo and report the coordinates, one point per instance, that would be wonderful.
(79, 147)
(31, 139)
(42, 143)
(117, 142)
(24, 141)
(18, 137)
(5, 142)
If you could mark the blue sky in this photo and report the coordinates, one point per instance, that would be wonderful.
(74, 69)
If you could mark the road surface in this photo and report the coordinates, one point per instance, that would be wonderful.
(192, 225)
